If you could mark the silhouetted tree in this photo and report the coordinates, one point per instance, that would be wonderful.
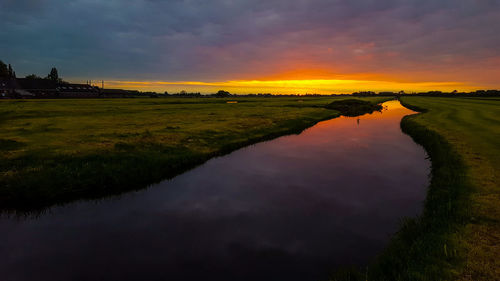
(53, 75)
(33, 76)
(11, 72)
(4, 71)
(222, 93)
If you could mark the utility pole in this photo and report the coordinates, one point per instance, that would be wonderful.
(103, 84)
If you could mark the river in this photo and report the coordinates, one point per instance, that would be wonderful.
(293, 208)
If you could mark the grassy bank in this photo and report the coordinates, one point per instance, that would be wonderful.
(353, 107)
(55, 151)
(458, 235)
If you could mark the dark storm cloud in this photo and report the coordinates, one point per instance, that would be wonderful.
(224, 39)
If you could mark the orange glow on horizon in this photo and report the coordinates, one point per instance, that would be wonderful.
(291, 86)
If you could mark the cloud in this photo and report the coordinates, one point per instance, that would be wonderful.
(234, 39)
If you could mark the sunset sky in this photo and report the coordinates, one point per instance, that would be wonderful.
(252, 46)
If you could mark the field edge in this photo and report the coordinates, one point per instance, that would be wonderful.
(428, 247)
(141, 174)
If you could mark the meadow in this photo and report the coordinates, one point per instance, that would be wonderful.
(458, 235)
(56, 151)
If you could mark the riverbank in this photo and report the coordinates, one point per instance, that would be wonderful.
(57, 151)
(354, 107)
(457, 237)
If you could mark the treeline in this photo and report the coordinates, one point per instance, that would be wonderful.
(53, 76)
(478, 93)
(219, 94)
(222, 94)
(226, 94)
(6, 71)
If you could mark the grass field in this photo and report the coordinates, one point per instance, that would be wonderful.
(458, 236)
(54, 151)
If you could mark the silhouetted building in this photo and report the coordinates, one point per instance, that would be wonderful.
(115, 93)
(77, 91)
(35, 88)
(7, 86)
(45, 88)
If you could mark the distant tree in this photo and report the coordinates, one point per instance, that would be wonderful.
(364, 94)
(33, 76)
(53, 75)
(222, 94)
(386, 94)
(12, 73)
(4, 71)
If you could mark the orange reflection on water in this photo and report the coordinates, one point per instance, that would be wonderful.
(349, 182)
(377, 125)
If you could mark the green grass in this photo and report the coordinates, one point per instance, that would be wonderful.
(458, 235)
(55, 151)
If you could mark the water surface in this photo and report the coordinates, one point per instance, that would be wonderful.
(292, 208)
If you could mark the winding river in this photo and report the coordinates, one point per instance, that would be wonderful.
(293, 208)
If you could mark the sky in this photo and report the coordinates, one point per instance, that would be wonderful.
(258, 46)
